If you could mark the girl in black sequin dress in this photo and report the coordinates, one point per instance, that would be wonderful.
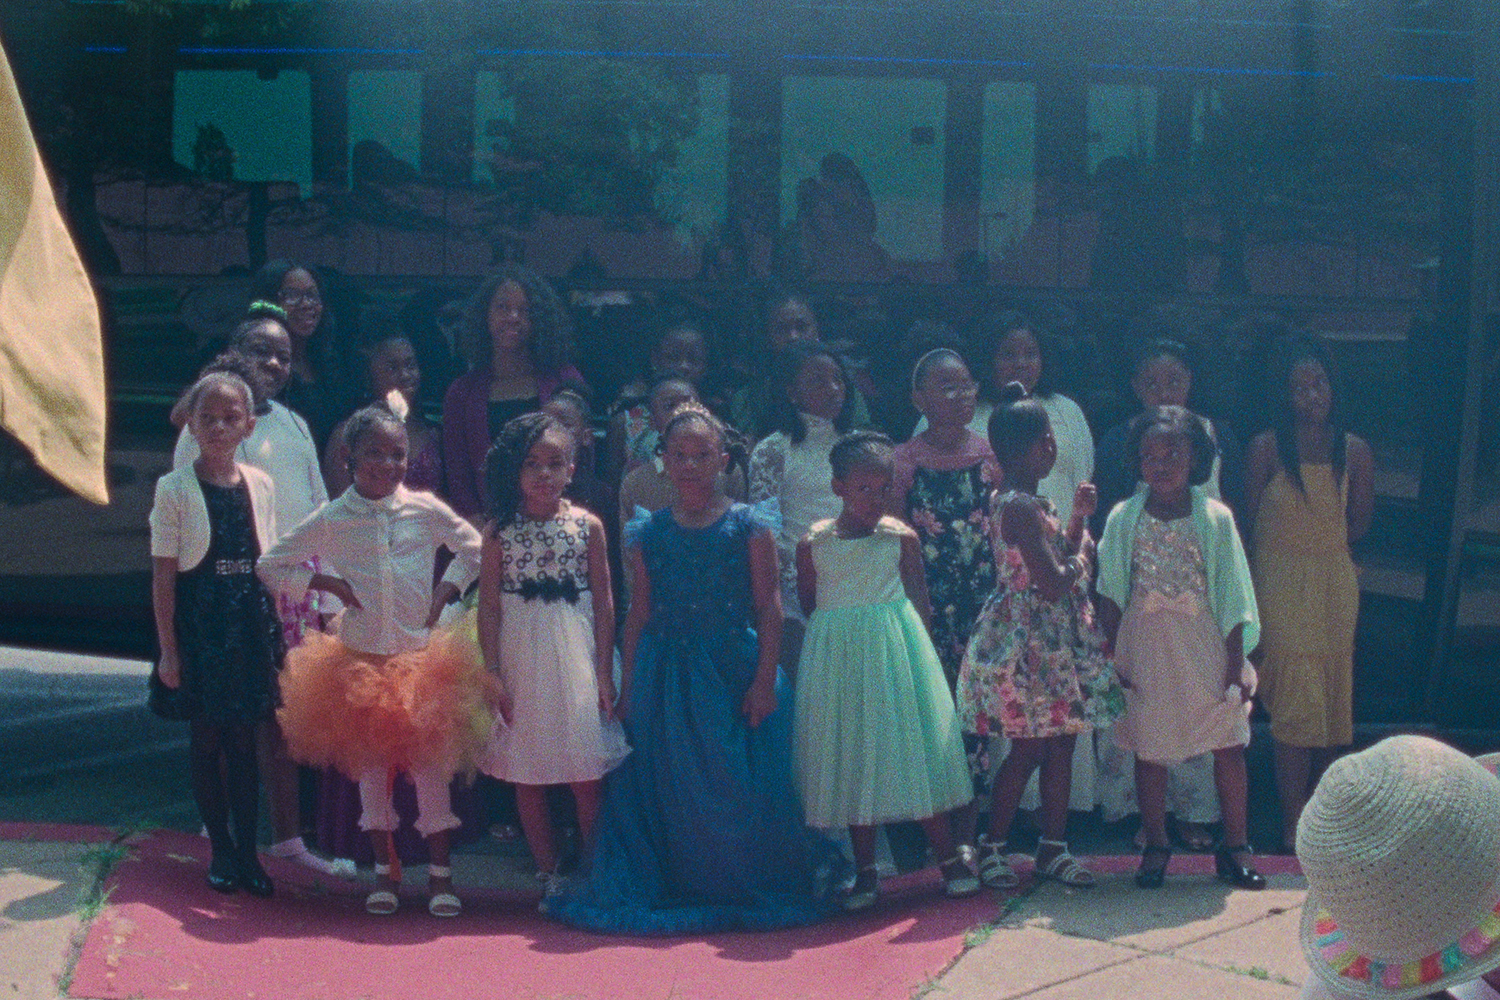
(220, 639)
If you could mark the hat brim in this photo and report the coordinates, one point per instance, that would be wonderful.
(1348, 973)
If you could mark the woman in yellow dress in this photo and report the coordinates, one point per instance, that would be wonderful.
(1309, 487)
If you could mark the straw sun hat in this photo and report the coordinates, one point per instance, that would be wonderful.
(1400, 844)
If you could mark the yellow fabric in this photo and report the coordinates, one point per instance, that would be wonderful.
(1308, 594)
(51, 358)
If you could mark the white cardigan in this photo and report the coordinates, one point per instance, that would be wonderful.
(282, 447)
(179, 515)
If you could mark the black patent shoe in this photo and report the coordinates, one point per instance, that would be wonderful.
(253, 877)
(223, 873)
(1240, 875)
(1153, 870)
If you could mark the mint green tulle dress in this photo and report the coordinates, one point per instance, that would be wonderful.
(876, 736)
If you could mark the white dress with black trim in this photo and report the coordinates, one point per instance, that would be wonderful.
(556, 735)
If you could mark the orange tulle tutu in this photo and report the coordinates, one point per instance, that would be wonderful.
(358, 713)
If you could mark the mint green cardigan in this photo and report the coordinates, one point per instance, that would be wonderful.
(1231, 594)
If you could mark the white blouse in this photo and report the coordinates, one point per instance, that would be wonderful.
(282, 447)
(1075, 453)
(384, 549)
(800, 477)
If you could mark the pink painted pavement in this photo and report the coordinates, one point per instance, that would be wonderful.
(164, 933)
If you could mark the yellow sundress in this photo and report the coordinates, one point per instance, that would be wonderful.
(1308, 593)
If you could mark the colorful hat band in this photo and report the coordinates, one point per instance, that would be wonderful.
(1342, 957)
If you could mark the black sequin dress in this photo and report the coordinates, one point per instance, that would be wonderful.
(228, 638)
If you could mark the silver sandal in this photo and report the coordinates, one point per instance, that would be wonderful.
(959, 878)
(995, 871)
(442, 904)
(1064, 867)
(862, 898)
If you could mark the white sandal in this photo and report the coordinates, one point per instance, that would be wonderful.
(382, 902)
(443, 904)
(995, 871)
(1064, 867)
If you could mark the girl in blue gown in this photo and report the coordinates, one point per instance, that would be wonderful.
(701, 828)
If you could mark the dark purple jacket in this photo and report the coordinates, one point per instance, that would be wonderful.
(466, 432)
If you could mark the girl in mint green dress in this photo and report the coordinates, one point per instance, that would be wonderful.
(876, 736)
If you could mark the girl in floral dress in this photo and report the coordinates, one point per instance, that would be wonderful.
(1035, 670)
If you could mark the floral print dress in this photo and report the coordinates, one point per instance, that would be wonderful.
(1035, 668)
(949, 510)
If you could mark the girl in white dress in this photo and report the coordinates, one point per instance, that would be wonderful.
(546, 625)
(813, 405)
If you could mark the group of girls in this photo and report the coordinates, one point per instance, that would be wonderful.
(932, 602)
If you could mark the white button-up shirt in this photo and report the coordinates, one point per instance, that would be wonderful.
(384, 549)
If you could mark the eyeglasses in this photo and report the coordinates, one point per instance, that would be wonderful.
(310, 297)
(965, 390)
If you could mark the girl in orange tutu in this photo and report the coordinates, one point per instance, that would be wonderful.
(388, 694)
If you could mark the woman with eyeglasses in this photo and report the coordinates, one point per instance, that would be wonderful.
(321, 386)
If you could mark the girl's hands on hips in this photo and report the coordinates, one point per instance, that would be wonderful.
(169, 670)
(338, 587)
(1233, 678)
(444, 593)
(760, 702)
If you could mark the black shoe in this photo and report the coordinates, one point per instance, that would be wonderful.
(223, 873)
(1153, 870)
(254, 878)
(1233, 872)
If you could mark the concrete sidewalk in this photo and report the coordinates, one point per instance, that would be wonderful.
(1193, 940)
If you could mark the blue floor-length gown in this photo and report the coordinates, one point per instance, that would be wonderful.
(700, 828)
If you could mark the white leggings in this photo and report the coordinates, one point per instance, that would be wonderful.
(434, 806)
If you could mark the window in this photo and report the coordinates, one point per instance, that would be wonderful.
(841, 134)
(233, 124)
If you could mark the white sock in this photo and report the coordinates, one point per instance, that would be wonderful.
(295, 849)
(288, 848)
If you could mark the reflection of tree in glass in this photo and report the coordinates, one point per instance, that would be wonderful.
(590, 137)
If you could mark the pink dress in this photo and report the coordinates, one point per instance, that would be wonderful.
(1170, 650)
